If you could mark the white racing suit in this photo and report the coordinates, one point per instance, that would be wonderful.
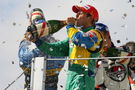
(110, 79)
(131, 78)
(103, 78)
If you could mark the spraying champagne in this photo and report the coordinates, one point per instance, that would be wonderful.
(40, 27)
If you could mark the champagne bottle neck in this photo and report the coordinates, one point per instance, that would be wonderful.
(63, 22)
(55, 25)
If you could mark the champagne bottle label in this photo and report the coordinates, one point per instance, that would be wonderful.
(38, 19)
(44, 28)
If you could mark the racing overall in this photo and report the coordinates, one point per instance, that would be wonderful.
(117, 78)
(79, 44)
(27, 51)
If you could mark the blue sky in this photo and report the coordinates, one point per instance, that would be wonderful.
(117, 14)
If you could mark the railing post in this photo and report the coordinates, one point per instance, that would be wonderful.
(38, 74)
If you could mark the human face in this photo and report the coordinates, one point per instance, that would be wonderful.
(132, 64)
(82, 20)
(130, 47)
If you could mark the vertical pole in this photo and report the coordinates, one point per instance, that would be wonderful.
(38, 74)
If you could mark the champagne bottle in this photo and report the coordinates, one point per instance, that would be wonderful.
(45, 27)
(36, 16)
(55, 25)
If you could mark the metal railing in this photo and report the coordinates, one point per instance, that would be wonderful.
(92, 58)
(42, 68)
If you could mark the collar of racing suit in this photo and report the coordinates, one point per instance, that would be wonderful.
(89, 28)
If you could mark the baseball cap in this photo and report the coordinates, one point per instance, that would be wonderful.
(87, 9)
(101, 27)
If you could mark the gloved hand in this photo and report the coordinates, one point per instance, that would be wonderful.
(31, 33)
